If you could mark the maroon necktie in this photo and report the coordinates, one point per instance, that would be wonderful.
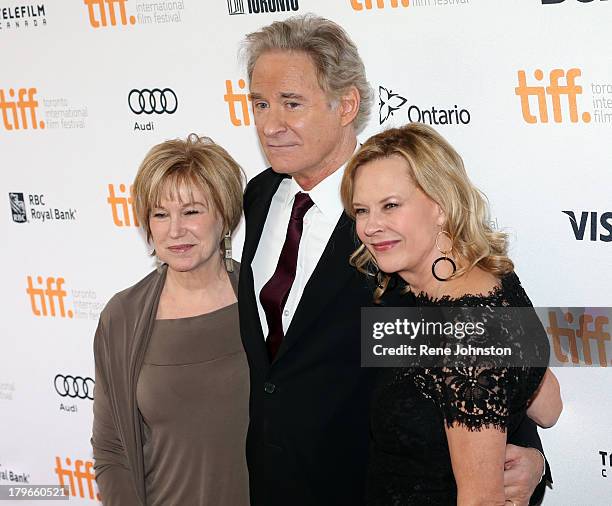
(274, 293)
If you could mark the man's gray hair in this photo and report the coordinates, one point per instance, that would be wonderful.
(335, 56)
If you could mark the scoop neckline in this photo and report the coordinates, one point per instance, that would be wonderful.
(202, 315)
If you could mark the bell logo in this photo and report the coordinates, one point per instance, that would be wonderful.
(80, 481)
(15, 121)
(380, 4)
(242, 98)
(555, 90)
(106, 13)
(124, 212)
(43, 300)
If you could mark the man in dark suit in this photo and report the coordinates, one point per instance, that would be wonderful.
(299, 298)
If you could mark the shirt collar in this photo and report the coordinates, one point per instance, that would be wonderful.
(325, 195)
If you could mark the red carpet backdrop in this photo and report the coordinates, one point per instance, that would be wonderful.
(523, 90)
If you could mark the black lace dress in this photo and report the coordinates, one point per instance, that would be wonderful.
(409, 458)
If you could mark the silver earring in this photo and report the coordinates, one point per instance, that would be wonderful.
(227, 246)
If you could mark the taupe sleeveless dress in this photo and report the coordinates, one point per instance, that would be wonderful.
(193, 394)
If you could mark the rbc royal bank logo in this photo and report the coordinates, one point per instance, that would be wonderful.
(18, 208)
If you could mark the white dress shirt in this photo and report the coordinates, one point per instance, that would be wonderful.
(319, 224)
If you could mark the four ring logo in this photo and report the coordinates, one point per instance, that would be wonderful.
(153, 101)
(74, 386)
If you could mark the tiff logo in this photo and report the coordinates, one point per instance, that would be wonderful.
(40, 296)
(579, 228)
(124, 212)
(380, 4)
(107, 8)
(235, 7)
(242, 98)
(555, 90)
(589, 328)
(80, 480)
(22, 105)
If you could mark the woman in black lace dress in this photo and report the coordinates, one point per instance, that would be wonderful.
(439, 434)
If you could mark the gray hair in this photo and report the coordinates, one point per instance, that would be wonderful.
(335, 56)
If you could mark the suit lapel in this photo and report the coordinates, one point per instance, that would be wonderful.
(328, 279)
(256, 212)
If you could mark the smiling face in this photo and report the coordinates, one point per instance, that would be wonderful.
(186, 230)
(299, 130)
(395, 219)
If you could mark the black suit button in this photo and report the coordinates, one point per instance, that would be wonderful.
(269, 387)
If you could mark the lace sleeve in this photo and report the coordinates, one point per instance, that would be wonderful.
(471, 396)
(479, 397)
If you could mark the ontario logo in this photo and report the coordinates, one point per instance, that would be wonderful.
(390, 102)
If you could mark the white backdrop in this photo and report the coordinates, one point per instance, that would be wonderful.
(69, 142)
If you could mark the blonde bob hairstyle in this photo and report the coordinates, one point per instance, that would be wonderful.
(334, 55)
(196, 162)
(437, 169)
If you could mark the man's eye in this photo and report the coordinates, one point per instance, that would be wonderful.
(293, 105)
(261, 105)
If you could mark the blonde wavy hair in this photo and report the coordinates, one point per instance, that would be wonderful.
(196, 162)
(437, 169)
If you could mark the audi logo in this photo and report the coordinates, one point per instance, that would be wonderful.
(74, 386)
(153, 101)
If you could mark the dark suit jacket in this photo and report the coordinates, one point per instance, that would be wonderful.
(308, 436)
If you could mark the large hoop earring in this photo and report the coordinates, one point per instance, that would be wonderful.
(444, 257)
(227, 256)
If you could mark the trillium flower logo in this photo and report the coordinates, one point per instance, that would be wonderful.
(389, 103)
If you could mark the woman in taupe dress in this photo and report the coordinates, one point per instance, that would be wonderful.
(172, 383)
